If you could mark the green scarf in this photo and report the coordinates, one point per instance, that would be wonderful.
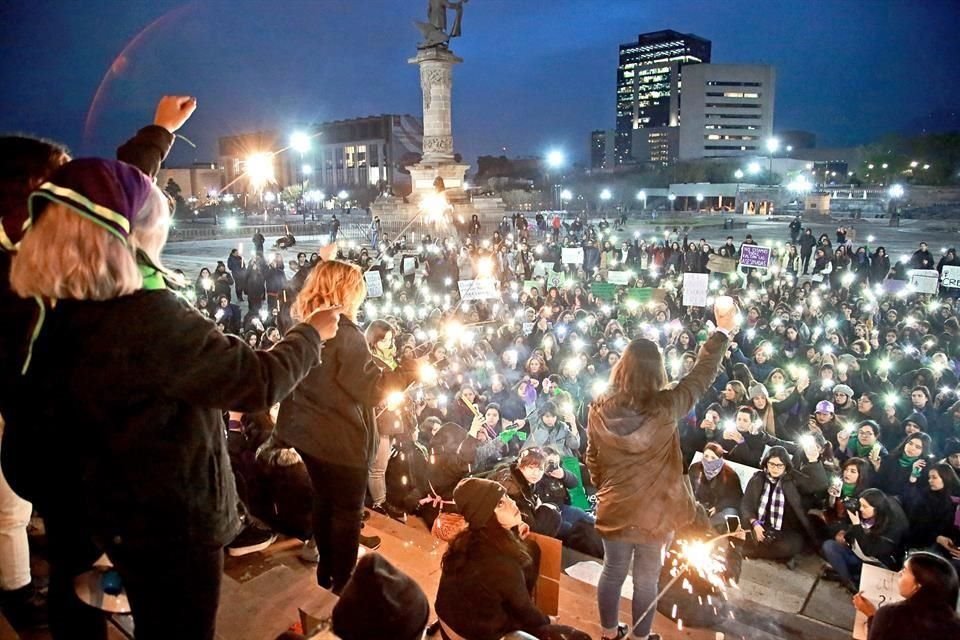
(152, 278)
(863, 451)
(848, 490)
(907, 461)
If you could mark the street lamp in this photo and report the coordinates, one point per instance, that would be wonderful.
(773, 145)
(699, 200)
(672, 198)
(565, 195)
(913, 165)
(753, 168)
(738, 174)
(642, 197)
(300, 142)
(605, 194)
(555, 160)
(896, 191)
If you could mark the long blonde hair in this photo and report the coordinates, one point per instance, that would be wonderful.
(66, 256)
(331, 282)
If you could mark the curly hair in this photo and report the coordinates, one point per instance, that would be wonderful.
(331, 283)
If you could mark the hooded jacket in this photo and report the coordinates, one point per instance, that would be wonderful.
(635, 461)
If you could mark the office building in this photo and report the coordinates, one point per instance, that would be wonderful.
(727, 110)
(602, 144)
(648, 91)
(343, 154)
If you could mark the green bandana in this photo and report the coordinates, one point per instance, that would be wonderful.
(848, 490)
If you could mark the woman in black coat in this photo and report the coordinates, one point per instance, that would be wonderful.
(905, 464)
(879, 266)
(329, 419)
(141, 379)
(716, 486)
(931, 506)
(929, 587)
(773, 506)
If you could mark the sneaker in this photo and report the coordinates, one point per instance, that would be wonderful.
(387, 509)
(251, 540)
(370, 542)
(622, 631)
(309, 552)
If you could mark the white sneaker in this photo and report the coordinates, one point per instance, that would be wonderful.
(309, 552)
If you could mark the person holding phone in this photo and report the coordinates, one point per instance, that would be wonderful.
(716, 486)
(635, 461)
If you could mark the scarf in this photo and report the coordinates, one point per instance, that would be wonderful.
(848, 490)
(863, 450)
(907, 461)
(711, 468)
(772, 504)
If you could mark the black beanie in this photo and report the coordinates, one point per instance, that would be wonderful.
(918, 419)
(477, 499)
(380, 602)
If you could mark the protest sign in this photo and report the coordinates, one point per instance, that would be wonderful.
(527, 328)
(408, 266)
(924, 280)
(951, 277)
(485, 289)
(646, 294)
(572, 255)
(374, 284)
(619, 277)
(879, 586)
(752, 255)
(539, 269)
(603, 290)
(533, 284)
(695, 287)
(718, 264)
(556, 279)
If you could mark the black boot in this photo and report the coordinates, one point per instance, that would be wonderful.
(26, 607)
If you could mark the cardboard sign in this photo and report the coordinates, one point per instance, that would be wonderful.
(547, 593)
(485, 289)
(879, 586)
(752, 255)
(556, 279)
(572, 255)
(619, 277)
(408, 266)
(646, 294)
(374, 284)
(950, 277)
(603, 290)
(695, 286)
(924, 280)
(719, 264)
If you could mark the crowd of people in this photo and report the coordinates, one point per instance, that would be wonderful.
(543, 377)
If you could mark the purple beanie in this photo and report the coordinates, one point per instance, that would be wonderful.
(107, 192)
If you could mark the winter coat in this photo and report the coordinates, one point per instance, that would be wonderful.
(562, 437)
(812, 480)
(635, 461)
(887, 545)
(723, 492)
(330, 416)
(487, 597)
(141, 381)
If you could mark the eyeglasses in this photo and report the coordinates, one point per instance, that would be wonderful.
(776, 465)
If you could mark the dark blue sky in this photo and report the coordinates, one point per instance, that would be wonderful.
(537, 73)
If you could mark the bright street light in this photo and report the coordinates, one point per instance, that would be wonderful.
(699, 197)
(896, 191)
(884, 165)
(672, 197)
(306, 169)
(300, 142)
(925, 167)
(641, 195)
(269, 196)
(555, 159)
(605, 194)
(913, 165)
(343, 195)
(773, 144)
(566, 195)
(259, 169)
(738, 174)
(789, 148)
(753, 168)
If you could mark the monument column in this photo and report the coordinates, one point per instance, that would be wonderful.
(436, 83)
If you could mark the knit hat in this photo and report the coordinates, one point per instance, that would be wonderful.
(824, 406)
(847, 359)
(844, 389)
(758, 391)
(107, 192)
(380, 602)
(951, 447)
(916, 418)
(477, 499)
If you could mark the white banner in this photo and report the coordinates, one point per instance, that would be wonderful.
(621, 278)
(951, 277)
(374, 284)
(695, 286)
(572, 255)
(408, 266)
(924, 280)
(485, 289)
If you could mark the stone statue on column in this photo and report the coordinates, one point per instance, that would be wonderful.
(434, 31)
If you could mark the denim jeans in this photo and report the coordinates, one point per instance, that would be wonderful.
(571, 515)
(843, 560)
(377, 483)
(647, 560)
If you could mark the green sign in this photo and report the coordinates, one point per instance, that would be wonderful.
(603, 290)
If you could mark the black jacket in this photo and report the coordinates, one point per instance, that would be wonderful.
(487, 597)
(811, 481)
(330, 415)
(124, 415)
(886, 545)
(720, 493)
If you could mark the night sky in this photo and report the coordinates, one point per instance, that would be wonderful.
(538, 74)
